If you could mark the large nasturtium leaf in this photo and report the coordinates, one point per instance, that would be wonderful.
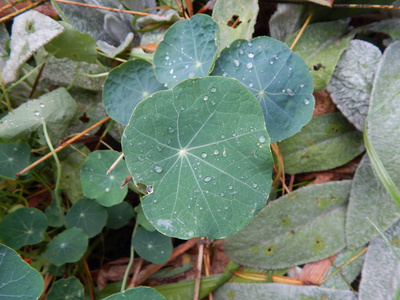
(69, 288)
(67, 247)
(30, 31)
(73, 44)
(97, 184)
(187, 51)
(18, 279)
(88, 215)
(204, 149)
(126, 86)
(139, 293)
(152, 246)
(25, 226)
(351, 83)
(303, 226)
(246, 291)
(236, 20)
(56, 108)
(380, 275)
(327, 142)
(14, 157)
(278, 78)
(321, 45)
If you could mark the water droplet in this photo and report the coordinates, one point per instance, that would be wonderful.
(224, 74)
(250, 84)
(186, 66)
(158, 169)
(306, 101)
(240, 51)
(215, 152)
(171, 71)
(182, 108)
(271, 62)
(233, 134)
(213, 90)
(301, 85)
(36, 113)
(212, 102)
(171, 129)
(107, 190)
(41, 105)
(222, 136)
(236, 63)
(205, 98)
(250, 44)
(169, 142)
(221, 194)
(276, 56)
(290, 92)
(166, 57)
(165, 85)
(230, 187)
(149, 190)
(224, 153)
(250, 55)
(203, 155)
(207, 178)
(254, 185)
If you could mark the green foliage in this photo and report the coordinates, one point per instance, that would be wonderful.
(119, 215)
(139, 293)
(66, 289)
(13, 158)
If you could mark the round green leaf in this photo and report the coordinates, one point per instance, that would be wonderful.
(119, 215)
(204, 149)
(24, 226)
(279, 79)
(67, 247)
(187, 51)
(97, 184)
(14, 157)
(69, 288)
(17, 279)
(126, 86)
(88, 215)
(152, 246)
(139, 293)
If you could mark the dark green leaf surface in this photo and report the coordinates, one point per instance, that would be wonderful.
(25, 226)
(278, 78)
(88, 215)
(327, 142)
(14, 157)
(187, 51)
(69, 288)
(139, 293)
(119, 215)
(67, 247)
(18, 280)
(73, 44)
(97, 184)
(203, 148)
(152, 246)
(142, 220)
(126, 86)
(305, 225)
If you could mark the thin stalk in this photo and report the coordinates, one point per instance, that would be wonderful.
(85, 74)
(59, 11)
(131, 258)
(301, 30)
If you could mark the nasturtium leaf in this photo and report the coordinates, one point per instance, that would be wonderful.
(380, 275)
(327, 142)
(245, 291)
(69, 288)
(25, 226)
(278, 78)
(351, 83)
(56, 108)
(236, 20)
(73, 44)
(30, 31)
(119, 215)
(152, 246)
(305, 225)
(14, 157)
(139, 293)
(89, 215)
(204, 149)
(320, 46)
(126, 86)
(18, 279)
(187, 51)
(142, 220)
(67, 247)
(97, 184)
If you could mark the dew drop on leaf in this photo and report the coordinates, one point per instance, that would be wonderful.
(250, 55)
(41, 105)
(107, 190)
(290, 92)
(215, 152)
(249, 65)
(205, 98)
(171, 129)
(306, 101)
(207, 178)
(203, 155)
(213, 90)
(36, 113)
(236, 63)
(158, 169)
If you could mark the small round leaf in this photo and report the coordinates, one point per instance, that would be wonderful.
(187, 51)
(25, 226)
(97, 184)
(18, 280)
(279, 79)
(88, 215)
(126, 86)
(152, 246)
(119, 215)
(14, 157)
(204, 149)
(67, 247)
(69, 288)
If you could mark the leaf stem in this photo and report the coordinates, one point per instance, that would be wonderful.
(302, 30)
(131, 259)
(85, 74)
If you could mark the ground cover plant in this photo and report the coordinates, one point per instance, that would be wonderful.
(179, 150)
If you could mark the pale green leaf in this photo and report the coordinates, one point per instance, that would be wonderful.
(69, 288)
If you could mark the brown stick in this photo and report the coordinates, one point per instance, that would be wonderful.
(70, 141)
(198, 271)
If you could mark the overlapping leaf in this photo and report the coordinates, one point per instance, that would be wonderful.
(14, 157)
(69, 288)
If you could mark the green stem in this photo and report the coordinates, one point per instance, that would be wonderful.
(88, 75)
(101, 65)
(59, 11)
(58, 165)
(132, 256)
(5, 93)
